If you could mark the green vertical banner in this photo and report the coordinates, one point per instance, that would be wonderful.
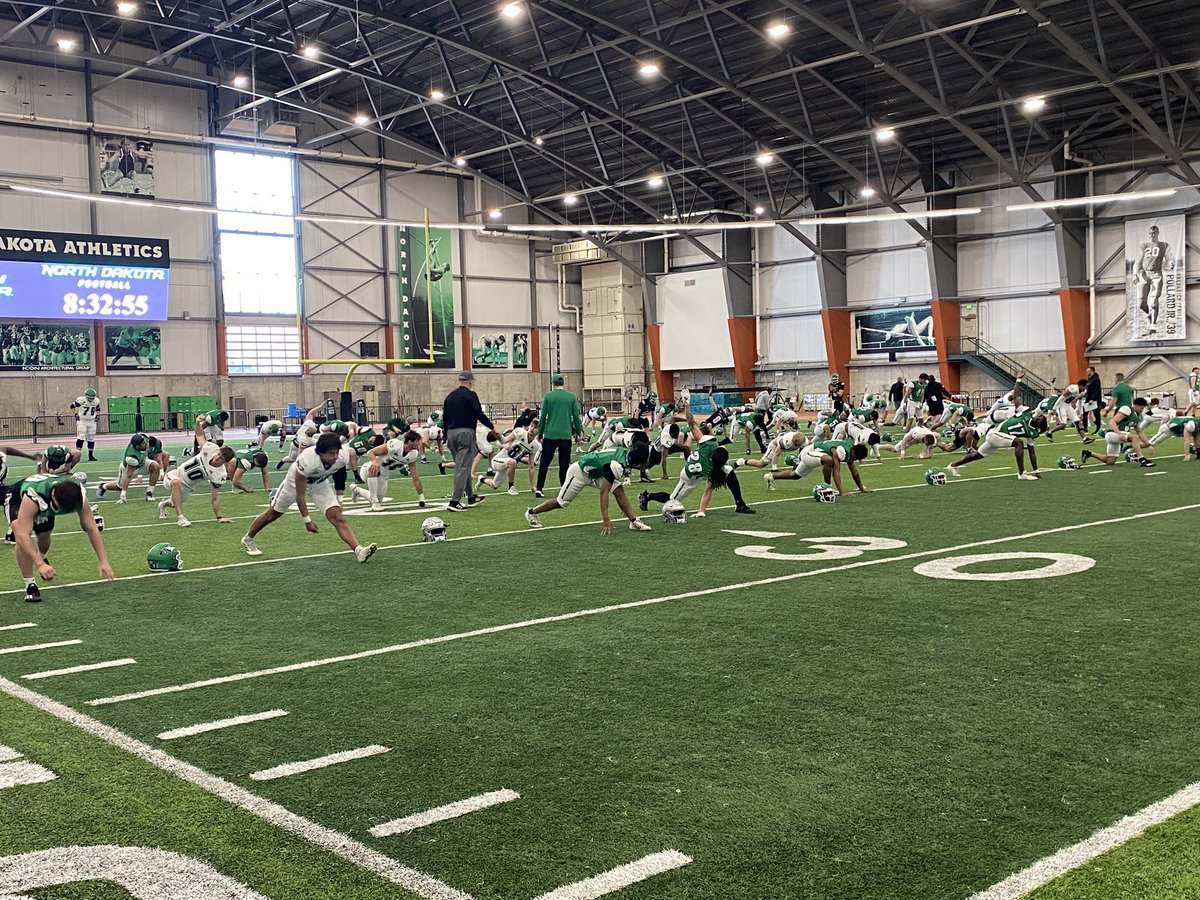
(426, 298)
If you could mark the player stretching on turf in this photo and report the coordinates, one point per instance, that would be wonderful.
(397, 456)
(1018, 432)
(247, 461)
(709, 465)
(827, 456)
(210, 464)
(143, 456)
(32, 506)
(604, 470)
(1125, 426)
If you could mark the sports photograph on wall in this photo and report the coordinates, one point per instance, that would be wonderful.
(489, 351)
(1155, 252)
(126, 165)
(27, 347)
(132, 347)
(426, 297)
(900, 329)
(520, 350)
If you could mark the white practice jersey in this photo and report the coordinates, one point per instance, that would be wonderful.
(314, 471)
(396, 457)
(88, 410)
(485, 447)
(307, 434)
(204, 465)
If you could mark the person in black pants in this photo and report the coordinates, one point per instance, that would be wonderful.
(1093, 401)
(559, 425)
(935, 400)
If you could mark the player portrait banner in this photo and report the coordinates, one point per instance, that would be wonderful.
(489, 351)
(134, 347)
(28, 347)
(899, 329)
(126, 165)
(520, 350)
(1155, 250)
(426, 297)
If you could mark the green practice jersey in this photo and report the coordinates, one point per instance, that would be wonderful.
(864, 414)
(595, 464)
(838, 449)
(1122, 395)
(959, 408)
(699, 463)
(36, 489)
(244, 459)
(1179, 423)
(918, 391)
(1019, 426)
(745, 418)
(1047, 405)
(1132, 422)
(360, 442)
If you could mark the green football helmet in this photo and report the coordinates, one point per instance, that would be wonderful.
(91, 394)
(823, 493)
(601, 411)
(57, 456)
(1128, 454)
(165, 557)
(436, 416)
(792, 460)
(1066, 462)
(935, 476)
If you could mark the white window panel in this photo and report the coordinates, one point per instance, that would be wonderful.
(263, 349)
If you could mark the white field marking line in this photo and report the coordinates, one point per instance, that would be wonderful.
(913, 466)
(442, 813)
(1101, 472)
(20, 773)
(321, 762)
(621, 877)
(1152, 474)
(8, 754)
(1047, 869)
(596, 611)
(90, 667)
(336, 843)
(203, 727)
(15, 627)
(29, 647)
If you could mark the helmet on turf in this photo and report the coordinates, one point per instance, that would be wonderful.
(171, 461)
(1129, 454)
(1066, 462)
(81, 477)
(271, 494)
(601, 411)
(90, 393)
(935, 477)
(823, 493)
(165, 557)
(433, 530)
(57, 456)
(792, 459)
(673, 512)
(520, 433)
(886, 436)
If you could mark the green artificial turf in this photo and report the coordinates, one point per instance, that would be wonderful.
(860, 730)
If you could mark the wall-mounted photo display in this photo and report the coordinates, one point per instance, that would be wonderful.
(520, 350)
(1155, 253)
(901, 329)
(132, 347)
(29, 347)
(426, 297)
(126, 165)
(489, 351)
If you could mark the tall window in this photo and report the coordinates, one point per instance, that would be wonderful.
(259, 278)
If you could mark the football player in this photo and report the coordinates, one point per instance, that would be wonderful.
(308, 479)
(87, 411)
(1186, 427)
(1194, 387)
(247, 461)
(210, 427)
(1125, 427)
(787, 442)
(58, 460)
(399, 456)
(594, 418)
(520, 445)
(1018, 432)
(143, 456)
(211, 465)
(914, 400)
(707, 464)
(604, 470)
(827, 456)
(34, 503)
(305, 437)
(272, 428)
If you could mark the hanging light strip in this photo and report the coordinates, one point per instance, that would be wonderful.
(1094, 200)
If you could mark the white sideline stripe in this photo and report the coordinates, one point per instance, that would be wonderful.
(15, 627)
(20, 773)
(1152, 474)
(1068, 858)
(336, 843)
(90, 667)
(1101, 472)
(49, 646)
(913, 466)
(321, 762)
(633, 604)
(203, 727)
(621, 877)
(442, 813)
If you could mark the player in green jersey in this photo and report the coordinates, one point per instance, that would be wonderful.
(58, 460)
(828, 456)
(32, 506)
(914, 400)
(708, 464)
(1186, 427)
(247, 461)
(144, 455)
(1121, 397)
(603, 470)
(1126, 426)
(1016, 433)
(956, 412)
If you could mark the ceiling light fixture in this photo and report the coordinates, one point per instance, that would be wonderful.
(437, 95)
(310, 51)
(1093, 200)
(866, 192)
(1033, 104)
(758, 210)
(460, 161)
(765, 159)
(361, 119)
(126, 8)
(66, 44)
(649, 69)
(885, 134)
(511, 10)
(570, 199)
(888, 217)
(778, 30)
(240, 81)
(655, 181)
(494, 214)
(539, 140)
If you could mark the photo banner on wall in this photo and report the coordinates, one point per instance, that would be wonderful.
(902, 329)
(520, 350)
(126, 165)
(489, 351)
(426, 297)
(26, 347)
(1155, 250)
(133, 347)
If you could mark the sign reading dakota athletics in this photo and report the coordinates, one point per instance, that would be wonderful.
(52, 275)
(1155, 250)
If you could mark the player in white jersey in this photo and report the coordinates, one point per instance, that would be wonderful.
(305, 437)
(1193, 381)
(784, 417)
(398, 456)
(87, 411)
(519, 446)
(857, 430)
(787, 442)
(487, 442)
(918, 434)
(272, 428)
(671, 439)
(596, 417)
(308, 479)
(206, 466)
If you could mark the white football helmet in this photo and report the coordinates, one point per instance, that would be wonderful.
(673, 512)
(81, 477)
(433, 530)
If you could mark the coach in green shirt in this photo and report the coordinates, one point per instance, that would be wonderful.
(558, 425)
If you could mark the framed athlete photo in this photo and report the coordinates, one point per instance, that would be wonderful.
(126, 165)
(901, 329)
(1155, 253)
(132, 347)
(489, 351)
(520, 350)
(29, 347)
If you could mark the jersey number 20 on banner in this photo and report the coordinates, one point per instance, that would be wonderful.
(1155, 250)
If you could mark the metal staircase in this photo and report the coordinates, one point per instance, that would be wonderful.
(999, 366)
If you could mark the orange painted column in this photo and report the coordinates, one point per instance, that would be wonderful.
(389, 348)
(535, 351)
(837, 343)
(223, 351)
(98, 347)
(1077, 325)
(743, 336)
(664, 382)
(947, 328)
(466, 349)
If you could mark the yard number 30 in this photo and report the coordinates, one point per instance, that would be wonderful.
(825, 549)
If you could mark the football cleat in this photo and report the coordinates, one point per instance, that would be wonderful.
(512, 490)
(744, 509)
(362, 554)
(99, 522)
(770, 480)
(433, 530)
(33, 594)
(644, 500)
(823, 493)
(165, 557)
(1027, 476)
(1145, 463)
(935, 477)
(673, 512)
(250, 546)
(532, 519)
(1065, 462)
(183, 522)
(638, 525)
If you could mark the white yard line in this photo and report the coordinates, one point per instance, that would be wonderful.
(617, 607)
(203, 727)
(29, 647)
(336, 843)
(321, 762)
(8, 754)
(442, 813)
(90, 667)
(13, 774)
(15, 627)
(1100, 472)
(1046, 870)
(621, 877)
(1151, 474)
